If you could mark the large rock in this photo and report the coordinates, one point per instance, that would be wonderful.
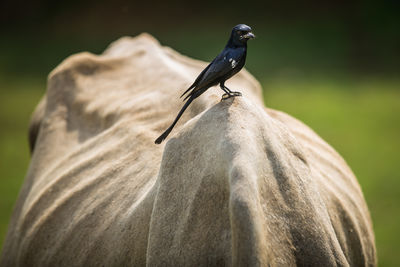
(236, 183)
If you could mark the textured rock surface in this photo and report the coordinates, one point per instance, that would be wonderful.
(236, 183)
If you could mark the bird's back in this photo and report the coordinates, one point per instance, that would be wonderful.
(229, 62)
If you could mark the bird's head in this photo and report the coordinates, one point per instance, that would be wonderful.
(241, 33)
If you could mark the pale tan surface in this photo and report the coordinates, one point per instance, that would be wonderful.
(235, 184)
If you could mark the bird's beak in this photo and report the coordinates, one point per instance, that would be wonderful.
(249, 35)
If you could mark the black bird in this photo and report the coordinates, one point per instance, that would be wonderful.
(229, 62)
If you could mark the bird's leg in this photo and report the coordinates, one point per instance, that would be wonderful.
(228, 92)
(232, 93)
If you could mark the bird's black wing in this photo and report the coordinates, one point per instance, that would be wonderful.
(198, 78)
(218, 68)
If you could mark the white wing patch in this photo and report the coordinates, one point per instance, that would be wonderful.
(233, 62)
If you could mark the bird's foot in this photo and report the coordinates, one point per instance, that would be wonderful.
(236, 93)
(232, 94)
(226, 96)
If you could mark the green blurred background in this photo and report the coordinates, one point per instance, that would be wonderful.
(333, 64)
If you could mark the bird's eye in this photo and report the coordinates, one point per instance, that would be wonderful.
(243, 32)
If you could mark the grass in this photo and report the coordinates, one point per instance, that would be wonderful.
(359, 118)
(17, 101)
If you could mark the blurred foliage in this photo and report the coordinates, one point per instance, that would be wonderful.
(17, 101)
(332, 64)
(306, 36)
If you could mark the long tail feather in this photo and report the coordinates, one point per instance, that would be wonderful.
(189, 95)
(166, 133)
(187, 90)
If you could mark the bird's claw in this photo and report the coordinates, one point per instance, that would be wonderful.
(226, 96)
(232, 94)
(236, 93)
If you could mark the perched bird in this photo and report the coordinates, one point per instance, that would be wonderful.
(229, 62)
